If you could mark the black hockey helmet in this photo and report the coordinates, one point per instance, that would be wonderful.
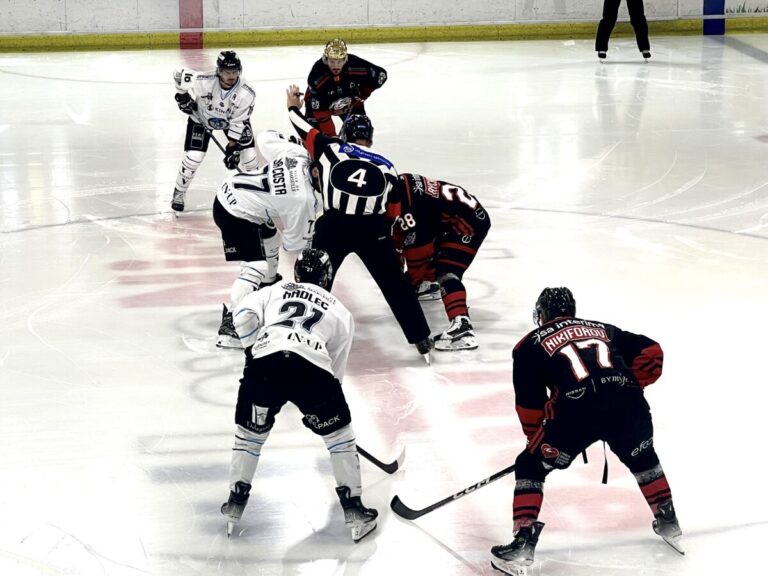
(554, 302)
(228, 60)
(357, 127)
(314, 267)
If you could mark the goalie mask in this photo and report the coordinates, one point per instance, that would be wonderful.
(553, 302)
(314, 267)
(357, 127)
(335, 49)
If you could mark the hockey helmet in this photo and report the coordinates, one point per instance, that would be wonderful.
(335, 49)
(357, 127)
(314, 267)
(228, 60)
(554, 302)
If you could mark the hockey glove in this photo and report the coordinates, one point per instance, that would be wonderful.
(185, 103)
(232, 157)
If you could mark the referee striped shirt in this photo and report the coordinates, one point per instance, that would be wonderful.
(355, 180)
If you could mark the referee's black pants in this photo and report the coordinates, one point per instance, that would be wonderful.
(369, 238)
(636, 18)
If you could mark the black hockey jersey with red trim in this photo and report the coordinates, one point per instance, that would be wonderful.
(428, 208)
(572, 358)
(358, 79)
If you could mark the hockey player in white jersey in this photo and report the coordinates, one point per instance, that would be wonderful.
(217, 100)
(297, 338)
(251, 206)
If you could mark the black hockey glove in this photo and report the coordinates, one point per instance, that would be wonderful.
(232, 157)
(185, 102)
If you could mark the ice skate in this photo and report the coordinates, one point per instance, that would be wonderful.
(602, 55)
(177, 204)
(667, 526)
(515, 558)
(423, 348)
(233, 508)
(228, 337)
(359, 519)
(428, 291)
(646, 54)
(459, 336)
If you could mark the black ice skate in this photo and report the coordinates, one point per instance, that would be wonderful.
(428, 291)
(228, 337)
(424, 347)
(459, 336)
(602, 54)
(646, 54)
(233, 508)
(515, 557)
(667, 526)
(359, 519)
(177, 203)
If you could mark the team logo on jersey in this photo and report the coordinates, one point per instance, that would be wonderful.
(291, 163)
(576, 394)
(218, 123)
(382, 78)
(549, 451)
(433, 188)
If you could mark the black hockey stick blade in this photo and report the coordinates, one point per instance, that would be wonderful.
(410, 514)
(389, 468)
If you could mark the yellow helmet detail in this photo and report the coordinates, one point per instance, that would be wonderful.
(335, 49)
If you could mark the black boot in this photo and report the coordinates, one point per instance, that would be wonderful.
(514, 557)
(359, 519)
(234, 507)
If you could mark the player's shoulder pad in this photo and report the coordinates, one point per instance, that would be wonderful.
(316, 73)
(245, 87)
(523, 341)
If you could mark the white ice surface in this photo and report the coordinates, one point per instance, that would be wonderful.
(642, 187)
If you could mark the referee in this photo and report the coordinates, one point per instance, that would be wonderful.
(355, 181)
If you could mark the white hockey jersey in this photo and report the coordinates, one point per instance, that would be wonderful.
(300, 318)
(217, 109)
(280, 193)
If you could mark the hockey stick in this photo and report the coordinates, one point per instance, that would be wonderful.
(218, 144)
(389, 468)
(410, 514)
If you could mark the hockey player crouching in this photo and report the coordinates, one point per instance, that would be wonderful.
(248, 208)
(216, 100)
(587, 378)
(439, 228)
(297, 338)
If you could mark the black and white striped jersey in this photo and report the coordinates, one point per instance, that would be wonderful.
(355, 180)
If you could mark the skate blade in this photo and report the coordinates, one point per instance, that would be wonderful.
(427, 359)
(361, 531)
(464, 343)
(228, 342)
(429, 296)
(511, 568)
(675, 544)
(230, 527)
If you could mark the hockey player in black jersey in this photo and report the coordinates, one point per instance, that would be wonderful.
(578, 381)
(338, 85)
(439, 228)
(355, 182)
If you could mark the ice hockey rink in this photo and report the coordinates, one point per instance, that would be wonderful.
(641, 186)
